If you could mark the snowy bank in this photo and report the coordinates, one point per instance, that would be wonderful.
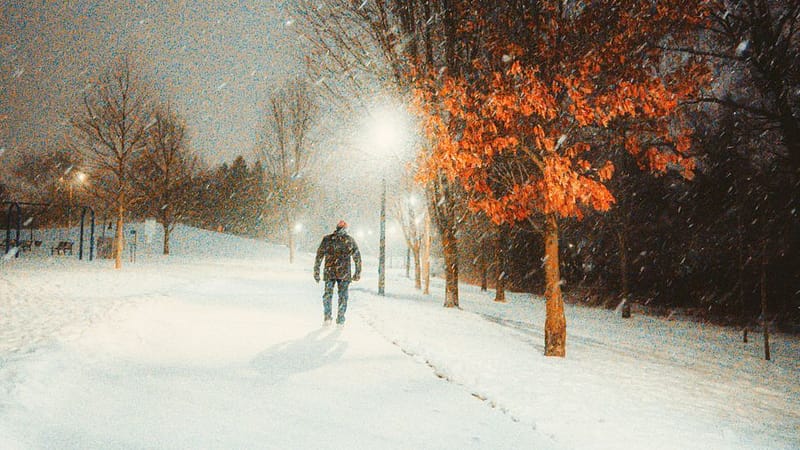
(220, 346)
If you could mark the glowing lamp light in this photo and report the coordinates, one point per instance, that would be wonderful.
(387, 130)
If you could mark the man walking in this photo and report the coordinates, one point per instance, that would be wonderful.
(337, 248)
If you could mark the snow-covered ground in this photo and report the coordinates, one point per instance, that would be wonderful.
(221, 346)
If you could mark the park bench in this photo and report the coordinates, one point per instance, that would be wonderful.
(62, 248)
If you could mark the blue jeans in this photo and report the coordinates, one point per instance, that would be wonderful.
(328, 296)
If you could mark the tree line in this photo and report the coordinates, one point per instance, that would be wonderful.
(634, 151)
(128, 156)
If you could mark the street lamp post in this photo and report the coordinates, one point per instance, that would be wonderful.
(382, 249)
(79, 177)
(386, 136)
(69, 206)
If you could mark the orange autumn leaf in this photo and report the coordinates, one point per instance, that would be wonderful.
(606, 172)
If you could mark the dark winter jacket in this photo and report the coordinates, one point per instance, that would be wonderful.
(337, 248)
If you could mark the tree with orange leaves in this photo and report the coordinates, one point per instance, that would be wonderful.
(521, 136)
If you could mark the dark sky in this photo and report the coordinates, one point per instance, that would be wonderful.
(216, 60)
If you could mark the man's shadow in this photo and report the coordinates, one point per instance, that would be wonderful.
(316, 349)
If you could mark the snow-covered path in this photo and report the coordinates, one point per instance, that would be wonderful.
(221, 346)
(234, 356)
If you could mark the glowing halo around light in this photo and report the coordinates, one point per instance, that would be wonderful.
(387, 130)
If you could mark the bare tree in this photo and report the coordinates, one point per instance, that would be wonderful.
(755, 46)
(426, 255)
(758, 41)
(39, 176)
(165, 172)
(410, 216)
(345, 59)
(392, 43)
(111, 131)
(285, 151)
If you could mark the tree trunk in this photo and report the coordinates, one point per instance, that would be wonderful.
(788, 124)
(740, 257)
(408, 262)
(623, 270)
(290, 229)
(450, 250)
(484, 272)
(442, 208)
(166, 239)
(119, 245)
(555, 325)
(291, 246)
(500, 264)
(500, 289)
(417, 269)
(764, 300)
(426, 256)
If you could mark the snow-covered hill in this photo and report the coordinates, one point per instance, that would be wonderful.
(220, 345)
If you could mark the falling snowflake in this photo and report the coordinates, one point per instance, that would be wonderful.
(742, 48)
(561, 140)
